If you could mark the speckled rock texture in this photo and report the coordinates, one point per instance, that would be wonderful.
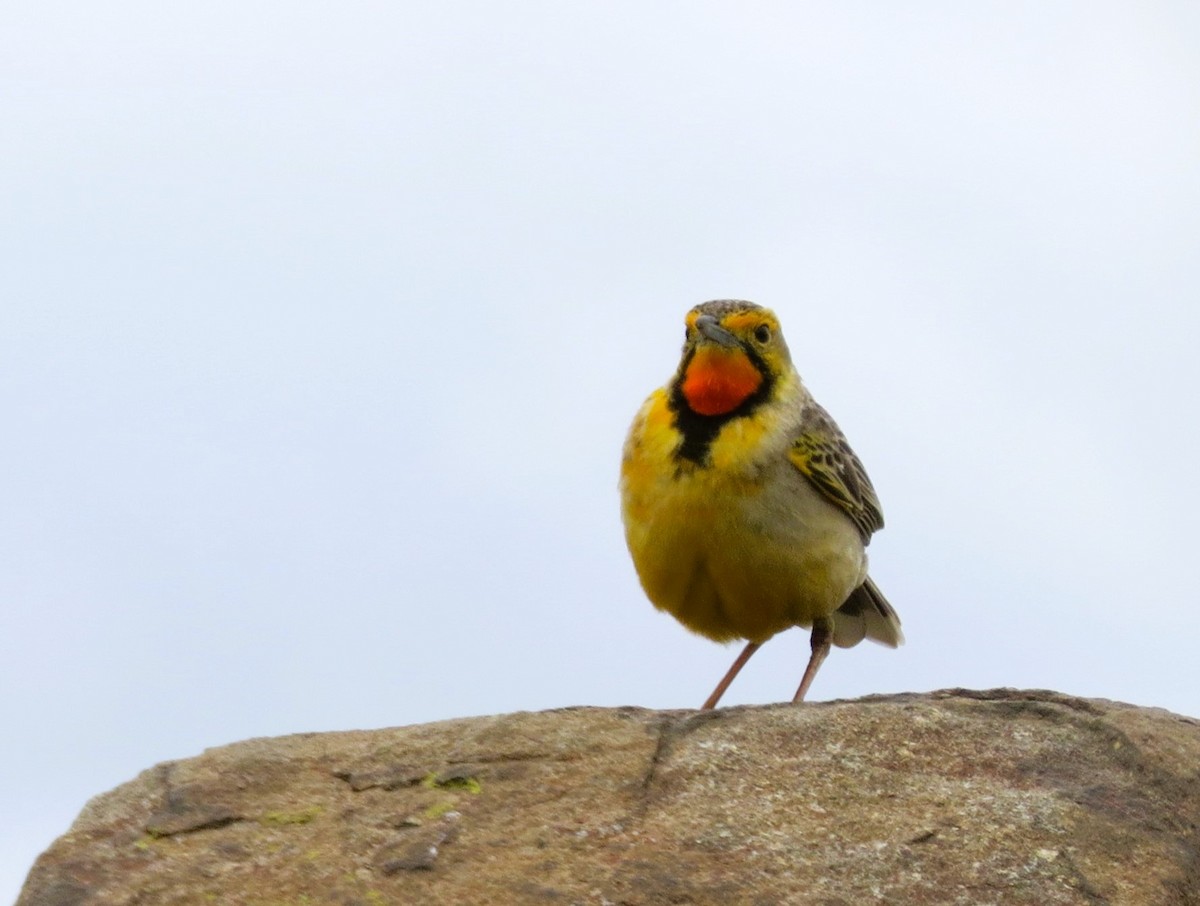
(1000, 797)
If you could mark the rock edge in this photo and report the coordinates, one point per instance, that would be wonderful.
(956, 796)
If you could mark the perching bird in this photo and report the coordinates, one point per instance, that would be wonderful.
(745, 509)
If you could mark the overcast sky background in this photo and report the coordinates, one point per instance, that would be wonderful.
(321, 326)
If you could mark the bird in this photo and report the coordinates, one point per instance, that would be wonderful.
(745, 510)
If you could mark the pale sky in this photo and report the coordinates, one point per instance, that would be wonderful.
(321, 326)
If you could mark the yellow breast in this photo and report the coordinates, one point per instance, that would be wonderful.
(741, 545)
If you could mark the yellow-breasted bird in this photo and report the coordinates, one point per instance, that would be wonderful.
(745, 509)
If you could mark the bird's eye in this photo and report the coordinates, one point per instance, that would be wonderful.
(762, 333)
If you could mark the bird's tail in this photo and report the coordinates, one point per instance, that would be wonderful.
(866, 615)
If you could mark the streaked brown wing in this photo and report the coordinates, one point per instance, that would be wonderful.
(823, 454)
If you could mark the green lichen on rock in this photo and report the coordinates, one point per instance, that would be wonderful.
(438, 809)
(463, 782)
(283, 819)
(466, 784)
(455, 783)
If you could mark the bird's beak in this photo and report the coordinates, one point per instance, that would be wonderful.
(710, 328)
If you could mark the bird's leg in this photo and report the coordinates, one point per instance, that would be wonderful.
(712, 700)
(822, 638)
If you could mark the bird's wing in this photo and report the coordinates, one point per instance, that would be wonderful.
(823, 454)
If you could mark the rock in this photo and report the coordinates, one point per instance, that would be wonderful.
(1001, 797)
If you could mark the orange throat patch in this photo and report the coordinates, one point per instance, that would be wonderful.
(718, 380)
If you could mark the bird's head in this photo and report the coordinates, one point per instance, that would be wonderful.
(733, 352)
